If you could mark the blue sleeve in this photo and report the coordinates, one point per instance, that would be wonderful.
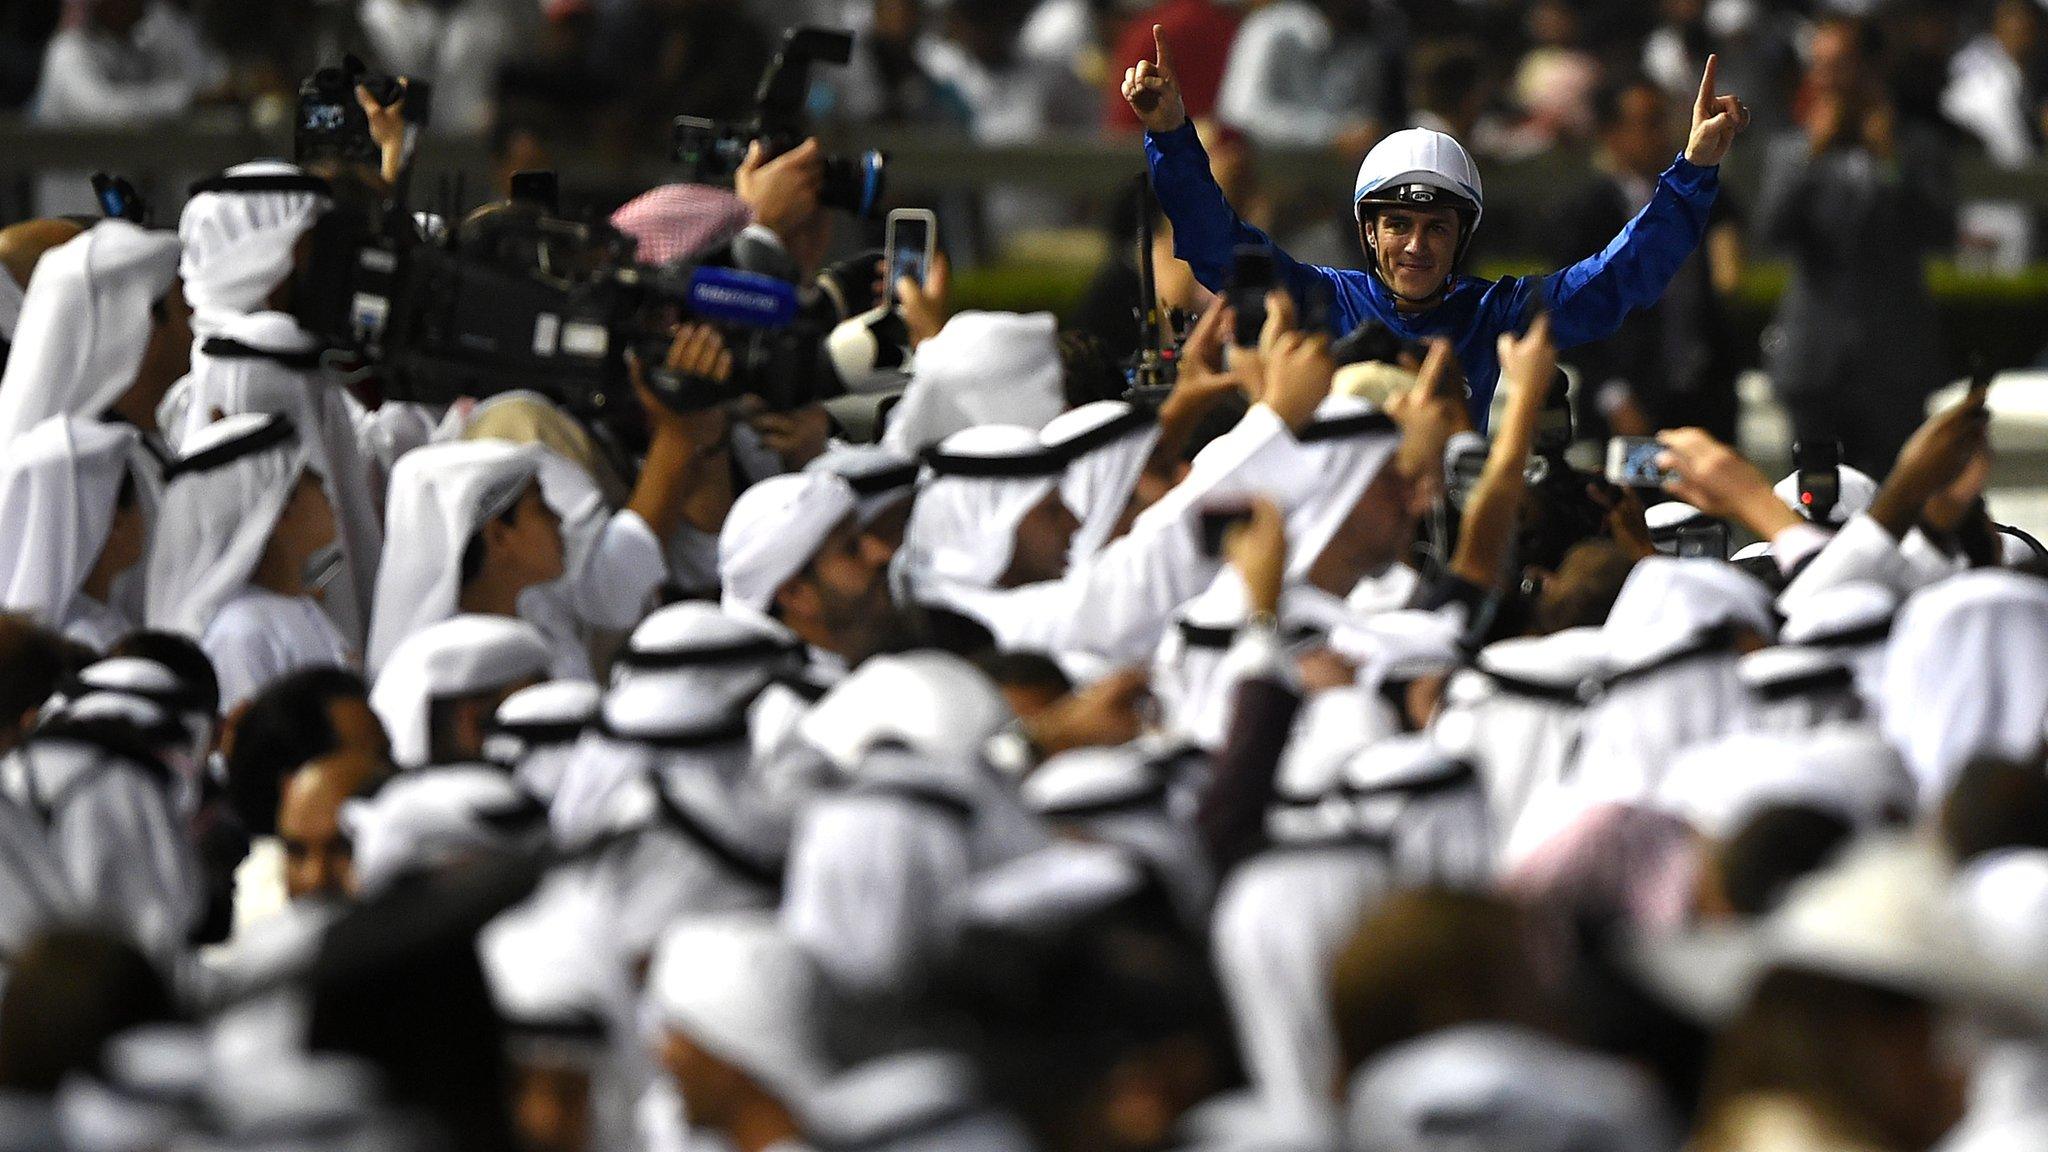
(1207, 230)
(1589, 300)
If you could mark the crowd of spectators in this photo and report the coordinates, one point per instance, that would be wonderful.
(1511, 77)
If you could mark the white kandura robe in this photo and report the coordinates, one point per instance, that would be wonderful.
(260, 636)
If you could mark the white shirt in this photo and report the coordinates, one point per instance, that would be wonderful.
(94, 624)
(260, 635)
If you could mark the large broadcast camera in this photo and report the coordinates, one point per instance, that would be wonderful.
(519, 299)
(710, 151)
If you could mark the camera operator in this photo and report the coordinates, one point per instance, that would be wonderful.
(1418, 201)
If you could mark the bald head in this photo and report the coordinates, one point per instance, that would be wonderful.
(23, 244)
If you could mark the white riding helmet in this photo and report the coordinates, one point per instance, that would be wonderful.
(1421, 168)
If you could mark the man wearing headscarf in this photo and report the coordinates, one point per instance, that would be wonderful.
(244, 517)
(739, 1006)
(614, 539)
(691, 836)
(239, 230)
(875, 868)
(536, 730)
(1674, 641)
(568, 1012)
(105, 808)
(467, 530)
(436, 696)
(66, 488)
(22, 247)
(792, 551)
(263, 362)
(1964, 675)
(1110, 445)
(101, 330)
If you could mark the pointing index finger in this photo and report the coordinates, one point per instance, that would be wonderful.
(1705, 105)
(1164, 60)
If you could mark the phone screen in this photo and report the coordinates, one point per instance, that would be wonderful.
(1632, 462)
(908, 247)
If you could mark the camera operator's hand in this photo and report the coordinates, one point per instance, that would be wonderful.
(797, 436)
(783, 192)
(1257, 548)
(684, 476)
(387, 128)
(1936, 457)
(1298, 377)
(1716, 121)
(926, 307)
(1152, 90)
(1715, 479)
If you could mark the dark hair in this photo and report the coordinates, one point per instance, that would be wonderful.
(1809, 1036)
(1776, 846)
(286, 725)
(1425, 959)
(68, 992)
(35, 662)
(1584, 588)
(185, 658)
(1996, 804)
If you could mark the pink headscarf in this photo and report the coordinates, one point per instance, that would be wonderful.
(680, 221)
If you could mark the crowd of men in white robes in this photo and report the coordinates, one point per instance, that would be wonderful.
(1039, 775)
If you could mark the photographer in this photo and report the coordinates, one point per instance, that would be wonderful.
(1418, 201)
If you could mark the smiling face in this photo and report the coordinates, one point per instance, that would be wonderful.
(1413, 248)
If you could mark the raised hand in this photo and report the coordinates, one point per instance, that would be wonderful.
(1716, 121)
(1152, 90)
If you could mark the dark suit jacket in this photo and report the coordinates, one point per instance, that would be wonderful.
(1676, 355)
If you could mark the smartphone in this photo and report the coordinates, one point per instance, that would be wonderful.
(1818, 465)
(1318, 305)
(1632, 462)
(1251, 277)
(1216, 522)
(118, 199)
(909, 245)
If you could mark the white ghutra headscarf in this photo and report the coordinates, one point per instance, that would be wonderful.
(222, 499)
(84, 324)
(440, 495)
(59, 484)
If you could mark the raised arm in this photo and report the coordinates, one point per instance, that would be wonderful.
(1589, 300)
(1206, 229)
